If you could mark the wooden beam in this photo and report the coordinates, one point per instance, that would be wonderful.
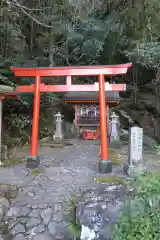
(109, 70)
(71, 88)
(91, 101)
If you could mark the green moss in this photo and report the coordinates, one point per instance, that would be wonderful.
(111, 179)
(114, 156)
(36, 171)
(115, 161)
(11, 162)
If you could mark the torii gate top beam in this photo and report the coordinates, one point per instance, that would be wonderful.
(109, 70)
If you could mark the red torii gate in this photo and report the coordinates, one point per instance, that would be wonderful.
(100, 71)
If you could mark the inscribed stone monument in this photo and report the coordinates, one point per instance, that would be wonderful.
(135, 149)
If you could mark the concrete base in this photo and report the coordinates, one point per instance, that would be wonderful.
(33, 162)
(105, 166)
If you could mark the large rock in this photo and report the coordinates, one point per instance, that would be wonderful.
(146, 111)
(124, 135)
(149, 142)
(98, 210)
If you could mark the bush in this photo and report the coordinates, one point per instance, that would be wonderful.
(140, 217)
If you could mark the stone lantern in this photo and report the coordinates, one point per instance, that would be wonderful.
(58, 133)
(114, 134)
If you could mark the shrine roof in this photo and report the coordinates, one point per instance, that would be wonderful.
(90, 96)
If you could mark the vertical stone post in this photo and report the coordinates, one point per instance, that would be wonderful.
(135, 161)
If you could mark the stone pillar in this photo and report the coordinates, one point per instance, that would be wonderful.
(135, 162)
(58, 133)
(114, 135)
(135, 149)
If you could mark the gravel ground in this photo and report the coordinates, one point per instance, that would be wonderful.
(37, 212)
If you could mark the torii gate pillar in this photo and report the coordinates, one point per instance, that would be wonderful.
(105, 165)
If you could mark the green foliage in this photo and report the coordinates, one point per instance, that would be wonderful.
(140, 217)
(74, 226)
(47, 33)
(143, 21)
(157, 148)
(12, 42)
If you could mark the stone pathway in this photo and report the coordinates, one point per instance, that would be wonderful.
(38, 211)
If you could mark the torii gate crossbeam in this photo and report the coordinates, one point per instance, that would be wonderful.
(105, 165)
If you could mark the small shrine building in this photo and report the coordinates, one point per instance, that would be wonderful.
(87, 111)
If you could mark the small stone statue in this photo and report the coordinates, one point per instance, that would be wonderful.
(114, 134)
(58, 133)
